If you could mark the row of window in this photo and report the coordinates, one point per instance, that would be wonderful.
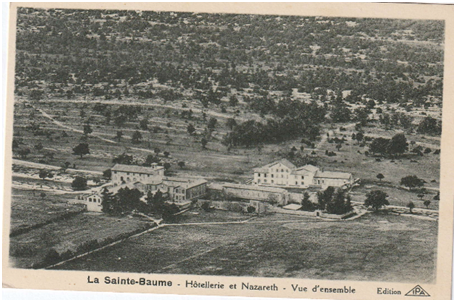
(95, 200)
(281, 176)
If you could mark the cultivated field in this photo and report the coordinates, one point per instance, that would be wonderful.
(31, 248)
(375, 247)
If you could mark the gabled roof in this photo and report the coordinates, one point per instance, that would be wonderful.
(333, 175)
(306, 169)
(283, 161)
(183, 182)
(136, 169)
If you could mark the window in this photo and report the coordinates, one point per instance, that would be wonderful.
(277, 170)
(272, 181)
(128, 173)
(265, 175)
(272, 175)
(302, 177)
(90, 199)
(296, 182)
(302, 182)
(265, 180)
(282, 170)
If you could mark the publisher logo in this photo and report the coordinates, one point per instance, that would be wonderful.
(417, 291)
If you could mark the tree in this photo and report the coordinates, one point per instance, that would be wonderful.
(359, 136)
(203, 143)
(43, 174)
(233, 101)
(39, 146)
(150, 159)
(87, 129)
(107, 174)
(81, 149)
(212, 122)
(109, 203)
(379, 146)
(190, 129)
(129, 199)
(166, 153)
(427, 203)
(411, 206)
(167, 166)
(376, 199)
(156, 201)
(169, 210)
(340, 203)
(119, 135)
(437, 196)
(79, 183)
(411, 181)
(231, 123)
(42, 195)
(124, 159)
(324, 197)
(429, 125)
(306, 204)
(380, 176)
(144, 124)
(181, 164)
(398, 144)
(136, 137)
(24, 152)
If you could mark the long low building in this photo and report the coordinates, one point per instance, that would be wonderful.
(261, 193)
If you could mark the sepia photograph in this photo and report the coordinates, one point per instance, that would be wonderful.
(159, 142)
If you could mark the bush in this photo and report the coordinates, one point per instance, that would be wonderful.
(79, 183)
(206, 206)
(51, 257)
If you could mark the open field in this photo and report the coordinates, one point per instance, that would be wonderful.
(29, 209)
(375, 247)
(31, 248)
(397, 197)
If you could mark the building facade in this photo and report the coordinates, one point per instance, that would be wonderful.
(260, 193)
(283, 173)
(121, 174)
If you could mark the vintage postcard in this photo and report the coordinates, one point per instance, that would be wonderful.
(295, 150)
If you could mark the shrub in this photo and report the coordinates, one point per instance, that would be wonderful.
(206, 206)
(51, 257)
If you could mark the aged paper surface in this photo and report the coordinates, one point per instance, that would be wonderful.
(241, 149)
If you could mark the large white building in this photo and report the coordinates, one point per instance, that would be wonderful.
(121, 174)
(146, 179)
(283, 173)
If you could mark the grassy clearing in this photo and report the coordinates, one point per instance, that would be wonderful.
(31, 248)
(29, 209)
(201, 216)
(384, 248)
(397, 197)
